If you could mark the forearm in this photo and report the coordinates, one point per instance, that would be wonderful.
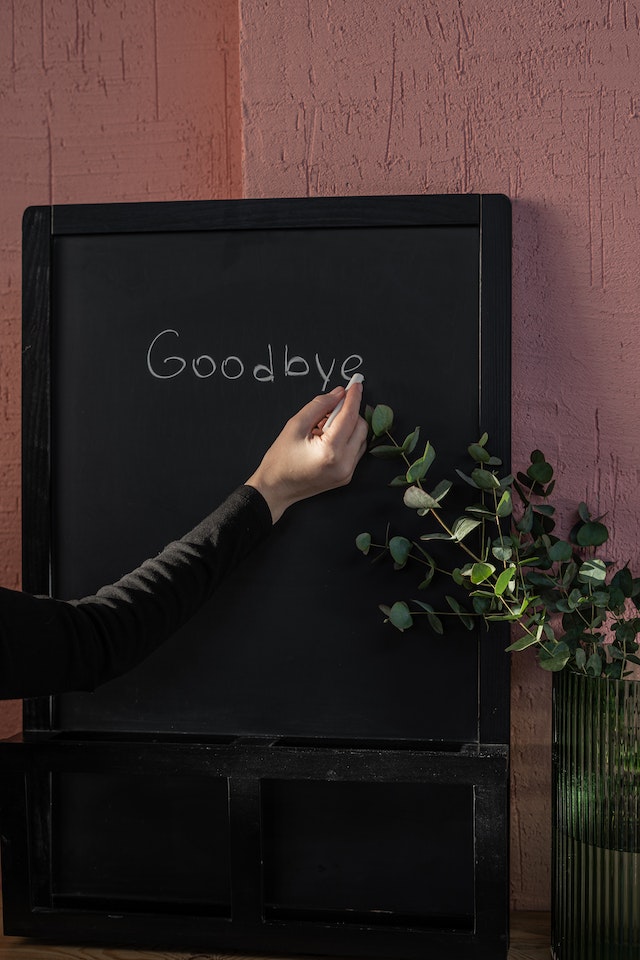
(49, 646)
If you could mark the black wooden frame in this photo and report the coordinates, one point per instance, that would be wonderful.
(30, 762)
(31, 911)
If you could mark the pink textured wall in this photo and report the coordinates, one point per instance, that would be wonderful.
(102, 100)
(540, 101)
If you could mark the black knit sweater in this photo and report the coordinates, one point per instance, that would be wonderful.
(50, 646)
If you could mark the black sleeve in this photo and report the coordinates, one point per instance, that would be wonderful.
(50, 646)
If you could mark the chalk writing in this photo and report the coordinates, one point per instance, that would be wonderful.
(164, 365)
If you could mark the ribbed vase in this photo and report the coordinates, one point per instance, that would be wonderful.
(596, 818)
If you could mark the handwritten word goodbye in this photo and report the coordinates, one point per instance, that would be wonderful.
(165, 367)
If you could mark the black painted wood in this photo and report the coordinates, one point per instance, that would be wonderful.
(245, 843)
(36, 397)
(285, 213)
(36, 420)
(248, 765)
(495, 416)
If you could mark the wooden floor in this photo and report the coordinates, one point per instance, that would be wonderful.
(529, 941)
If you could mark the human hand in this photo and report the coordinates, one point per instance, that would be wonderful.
(305, 460)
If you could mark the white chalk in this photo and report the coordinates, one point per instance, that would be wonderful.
(356, 378)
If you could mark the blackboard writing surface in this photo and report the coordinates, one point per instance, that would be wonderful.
(181, 339)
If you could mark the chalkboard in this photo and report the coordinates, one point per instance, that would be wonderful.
(315, 780)
(177, 339)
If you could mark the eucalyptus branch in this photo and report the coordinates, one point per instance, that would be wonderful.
(524, 574)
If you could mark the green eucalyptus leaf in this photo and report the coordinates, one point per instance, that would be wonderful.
(583, 512)
(617, 599)
(485, 479)
(580, 658)
(424, 606)
(419, 468)
(466, 619)
(482, 604)
(502, 551)
(427, 579)
(505, 505)
(569, 574)
(399, 481)
(463, 527)
(542, 523)
(441, 489)
(560, 552)
(525, 524)
(592, 534)
(363, 542)
(418, 499)
(576, 597)
(520, 608)
(400, 548)
(540, 471)
(478, 453)
(614, 670)
(481, 572)
(400, 616)
(467, 479)
(594, 665)
(381, 419)
(592, 571)
(481, 510)
(536, 579)
(504, 580)
(409, 444)
(385, 452)
(436, 536)
(558, 658)
(527, 640)
(623, 580)
(625, 631)
(482, 442)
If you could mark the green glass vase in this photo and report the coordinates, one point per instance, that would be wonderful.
(596, 818)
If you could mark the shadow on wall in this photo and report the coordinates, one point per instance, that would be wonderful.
(576, 388)
(541, 292)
